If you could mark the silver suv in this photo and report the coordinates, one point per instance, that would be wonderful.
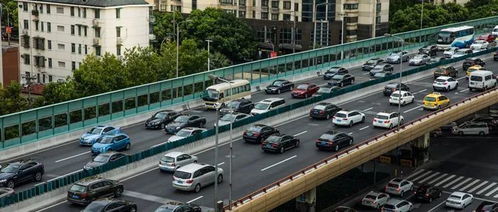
(194, 176)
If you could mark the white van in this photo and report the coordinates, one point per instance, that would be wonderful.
(481, 80)
(495, 31)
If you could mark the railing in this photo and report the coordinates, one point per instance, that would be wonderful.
(69, 179)
(44, 122)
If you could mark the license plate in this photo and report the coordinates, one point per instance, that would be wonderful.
(338, 120)
(179, 181)
(76, 197)
(379, 121)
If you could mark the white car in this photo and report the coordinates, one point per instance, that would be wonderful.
(471, 128)
(387, 120)
(445, 83)
(450, 52)
(404, 97)
(461, 53)
(348, 118)
(375, 199)
(398, 186)
(173, 160)
(267, 105)
(459, 200)
(479, 45)
(186, 132)
(395, 205)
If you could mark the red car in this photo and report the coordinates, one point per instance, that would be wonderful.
(304, 90)
(489, 38)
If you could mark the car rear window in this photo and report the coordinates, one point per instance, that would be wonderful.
(370, 197)
(319, 107)
(454, 197)
(341, 115)
(182, 175)
(429, 99)
(392, 185)
(77, 188)
(475, 78)
(274, 139)
(254, 129)
(382, 117)
(327, 137)
(302, 87)
(440, 80)
(167, 159)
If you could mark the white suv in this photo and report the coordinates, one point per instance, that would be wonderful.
(445, 83)
(387, 120)
(267, 105)
(406, 98)
(398, 186)
(348, 118)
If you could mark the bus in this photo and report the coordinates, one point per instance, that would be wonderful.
(460, 37)
(217, 95)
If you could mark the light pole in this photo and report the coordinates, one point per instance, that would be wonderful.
(342, 32)
(400, 76)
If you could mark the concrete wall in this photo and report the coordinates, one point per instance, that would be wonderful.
(10, 69)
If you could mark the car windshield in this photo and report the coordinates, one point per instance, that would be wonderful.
(212, 94)
(389, 206)
(77, 188)
(160, 115)
(95, 130)
(261, 106)
(430, 99)
(233, 105)
(165, 208)
(182, 119)
(395, 54)
(106, 140)
(381, 117)
(319, 107)
(440, 80)
(94, 206)
(370, 197)
(370, 62)
(475, 78)
(278, 83)
(302, 87)
(228, 117)
(182, 175)
(11, 168)
(327, 137)
(338, 77)
(101, 158)
(273, 139)
(168, 159)
(184, 133)
(341, 115)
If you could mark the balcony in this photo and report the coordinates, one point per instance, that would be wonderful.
(96, 22)
(96, 41)
(274, 10)
(119, 41)
(35, 12)
(351, 26)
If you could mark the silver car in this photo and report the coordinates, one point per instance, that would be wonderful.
(397, 57)
(194, 176)
(395, 205)
(420, 59)
(171, 161)
(231, 118)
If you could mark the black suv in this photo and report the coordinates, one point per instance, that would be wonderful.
(391, 87)
(324, 110)
(238, 105)
(21, 172)
(448, 71)
(161, 119)
(258, 133)
(185, 121)
(430, 50)
(370, 64)
(472, 62)
(85, 191)
(279, 86)
(113, 205)
(428, 193)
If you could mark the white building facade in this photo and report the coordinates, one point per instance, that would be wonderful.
(56, 35)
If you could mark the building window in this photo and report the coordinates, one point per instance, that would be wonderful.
(73, 65)
(25, 41)
(274, 4)
(194, 4)
(60, 28)
(226, 1)
(287, 5)
(377, 20)
(49, 44)
(118, 12)
(378, 7)
(85, 30)
(39, 43)
(86, 49)
(61, 46)
(62, 64)
(97, 13)
(118, 50)
(49, 27)
(274, 16)
(72, 29)
(296, 6)
(73, 48)
(42, 27)
(41, 8)
(79, 30)
(242, 3)
(26, 24)
(264, 3)
(351, 6)
(253, 14)
(79, 48)
(264, 15)
(60, 10)
(84, 12)
(176, 8)
(287, 17)
(36, 25)
(25, 6)
(79, 12)
(97, 32)
(39, 61)
(118, 31)
(50, 78)
(50, 66)
(242, 14)
(72, 11)
(48, 9)
(26, 58)
(351, 32)
(350, 20)
(98, 50)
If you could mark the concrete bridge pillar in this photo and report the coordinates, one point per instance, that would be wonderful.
(306, 202)
(420, 149)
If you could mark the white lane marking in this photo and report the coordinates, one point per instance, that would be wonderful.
(454, 181)
(39, 184)
(423, 175)
(364, 127)
(437, 206)
(423, 90)
(486, 188)
(146, 197)
(367, 109)
(412, 109)
(351, 133)
(446, 179)
(492, 192)
(298, 134)
(470, 184)
(159, 144)
(314, 124)
(219, 164)
(70, 173)
(278, 163)
(429, 177)
(195, 199)
(416, 173)
(461, 183)
(437, 178)
(71, 157)
(464, 90)
(478, 186)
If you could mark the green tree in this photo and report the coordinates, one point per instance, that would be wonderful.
(9, 9)
(164, 26)
(396, 5)
(11, 99)
(141, 65)
(485, 9)
(56, 92)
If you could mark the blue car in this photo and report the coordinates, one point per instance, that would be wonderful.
(111, 143)
(90, 137)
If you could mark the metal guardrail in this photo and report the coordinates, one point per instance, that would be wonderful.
(44, 122)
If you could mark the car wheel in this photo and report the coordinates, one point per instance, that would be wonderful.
(297, 144)
(10, 184)
(197, 188)
(195, 161)
(38, 176)
(128, 146)
(350, 123)
(481, 133)
(282, 150)
(328, 116)
(118, 192)
(336, 148)
(362, 119)
(278, 91)
(219, 179)
(460, 133)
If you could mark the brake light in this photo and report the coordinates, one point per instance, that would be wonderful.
(427, 195)
(84, 195)
(345, 119)
(322, 112)
(445, 83)
(387, 121)
(189, 181)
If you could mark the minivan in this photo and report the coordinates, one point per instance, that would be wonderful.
(267, 105)
(481, 80)
(194, 176)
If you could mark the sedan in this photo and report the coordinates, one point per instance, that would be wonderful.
(90, 137)
(174, 160)
(258, 133)
(105, 205)
(395, 205)
(20, 172)
(398, 186)
(238, 105)
(341, 80)
(459, 200)
(327, 89)
(348, 118)
(279, 143)
(428, 193)
(111, 143)
(445, 83)
(279, 86)
(398, 57)
(420, 59)
(185, 133)
(401, 97)
(461, 53)
(104, 158)
(479, 45)
(381, 75)
(324, 110)
(161, 119)
(370, 64)
(487, 206)
(333, 71)
(230, 118)
(375, 199)
(450, 52)
(185, 121)
(304, 90)
(333, 141)
(381, 68)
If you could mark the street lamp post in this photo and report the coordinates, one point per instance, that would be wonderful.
(400, 76)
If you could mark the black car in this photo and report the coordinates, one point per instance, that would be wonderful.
(495, 56)
(391, 87)
(487, 206)
(324, 110)
(85, 191)
(326, 89)
(161, 119)
(332, 140)
(108, 205)
(20, 172)
(238, 105)
(427, 193)
(341, 80)
(370, 64)
(185, 121)
(258, 133)
(333, 71)
(279, 143)
(430, 50)
(279, 86)
(382, 68)
(472, 62)
(104, 158)
(449, 71)
(178, 207)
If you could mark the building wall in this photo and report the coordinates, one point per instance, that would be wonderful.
(10, 69)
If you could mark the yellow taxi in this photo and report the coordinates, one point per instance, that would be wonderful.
(474, 68)
(435, 101)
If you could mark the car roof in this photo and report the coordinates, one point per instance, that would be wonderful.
(400, 91)
(443, 77)
(192, 167)
(260, 125)
(174, 154)
(435, 94)
(281, 80)
(197, 128)
(165, 111)
(374, 193)
(271, 100)
(458, 193)
(385, 113)
(323, 103)
(172, 205)
(396, 180)
(89, 180)
(346, 111)
(110, 153)
(331, 132)
(115, 135)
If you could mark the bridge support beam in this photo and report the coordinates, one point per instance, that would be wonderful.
(306, 202)
(421, 149)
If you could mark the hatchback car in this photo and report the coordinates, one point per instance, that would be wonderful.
(279, 86)
(459, 200)
(279, 143)
(391, 87)
(427, 193)
(304, 90)
(348, 118)
(104, 158)
(161, 119)
(324, 110)
(461, 53)
(381, 75)
(388, 120)
(401, 97)
(90, 137)
(238, 105)
(445, 83)
(395, 205)
(398, 57)
(479, 45)
(267, 105)
(171, 161)
(178, 207)
(435, 101)
(230, 118)
(20, 172)
(420, 59)
(448, 71)
(258, 133)
(370, 64)
(375, 199)
(194, 176)
(111, 205)
(450, 52)
(341, 80)
(333, 71)
(186, 132)
(472, 62)
(398, 186)
(85, 191)
(382, 68)
(111, 143)
(332, 140)
(184, 121)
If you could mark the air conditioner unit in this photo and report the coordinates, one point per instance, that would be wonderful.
(25, 31)
(96, 41)
(96, 22)
(119, 41)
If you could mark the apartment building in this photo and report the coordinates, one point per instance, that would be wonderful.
(56, 35)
